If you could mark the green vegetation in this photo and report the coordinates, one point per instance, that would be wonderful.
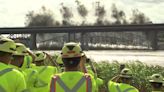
(141, 72)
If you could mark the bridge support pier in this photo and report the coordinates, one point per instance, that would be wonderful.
(33, 41)
(154, 40)
(71, 37)
(84, 41)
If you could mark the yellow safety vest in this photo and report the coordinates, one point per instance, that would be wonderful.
(60, 83)
(120, 87)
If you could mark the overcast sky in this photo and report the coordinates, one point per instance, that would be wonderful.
(12, 12)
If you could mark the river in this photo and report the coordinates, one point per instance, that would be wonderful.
(123, 56)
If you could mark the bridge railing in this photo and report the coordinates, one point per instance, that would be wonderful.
(148, 36)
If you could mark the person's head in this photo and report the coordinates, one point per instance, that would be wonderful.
(156, 82)
(18, 57)
(39, 59)
(71, 55)
(126, 76)
(7, 48)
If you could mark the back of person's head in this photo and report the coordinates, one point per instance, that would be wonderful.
(40, 56)
(126, 76)
(126, 73)
(21, 49)
(19, 55)
(71, 54)
(7, 45)
(7, 48)
(156, 81)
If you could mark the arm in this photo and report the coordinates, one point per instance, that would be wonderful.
(92, 66)
(115, 78)
(31, 54)
(50, 58)
(82, 64)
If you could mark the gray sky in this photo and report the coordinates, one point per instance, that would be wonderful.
(12, 12)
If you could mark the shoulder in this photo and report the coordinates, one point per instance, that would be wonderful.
(134, 89)
(110, 83)
(4, 66)
(16, 72)
(130, 88)
(30, 70)
(51, 67)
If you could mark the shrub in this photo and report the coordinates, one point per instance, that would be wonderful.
(106, 71)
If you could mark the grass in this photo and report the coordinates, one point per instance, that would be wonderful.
(141, 73)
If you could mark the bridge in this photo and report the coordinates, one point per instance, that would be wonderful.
(153, 30)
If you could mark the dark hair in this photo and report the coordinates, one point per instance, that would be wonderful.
(156, 85)
(71, 62)
(3, 53)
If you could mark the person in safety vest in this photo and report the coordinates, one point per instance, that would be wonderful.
(32, 57)
(91, 70)
(72, 80)
(44, 73)
(54, 58)
(49, 60)
(156, 82)
(11, 80)
(124, 86)
(18, 57)
(60, 63)
(21, 61)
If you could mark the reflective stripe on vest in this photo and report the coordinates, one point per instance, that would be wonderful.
(42, 70)
(31, 74)
(127, 90)
(88, 83)
(57, 79)
(2, 72)
(39, 82)
(118, 88)
(53, 85)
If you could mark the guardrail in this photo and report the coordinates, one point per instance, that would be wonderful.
(154, 29)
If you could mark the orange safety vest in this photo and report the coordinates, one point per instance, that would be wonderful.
(57, 79)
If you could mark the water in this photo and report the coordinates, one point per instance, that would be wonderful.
(123, 56)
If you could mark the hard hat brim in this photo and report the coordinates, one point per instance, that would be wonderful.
(156, 81)
(125, 76)
(12, 52)
(72, 56)
(20, 54)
